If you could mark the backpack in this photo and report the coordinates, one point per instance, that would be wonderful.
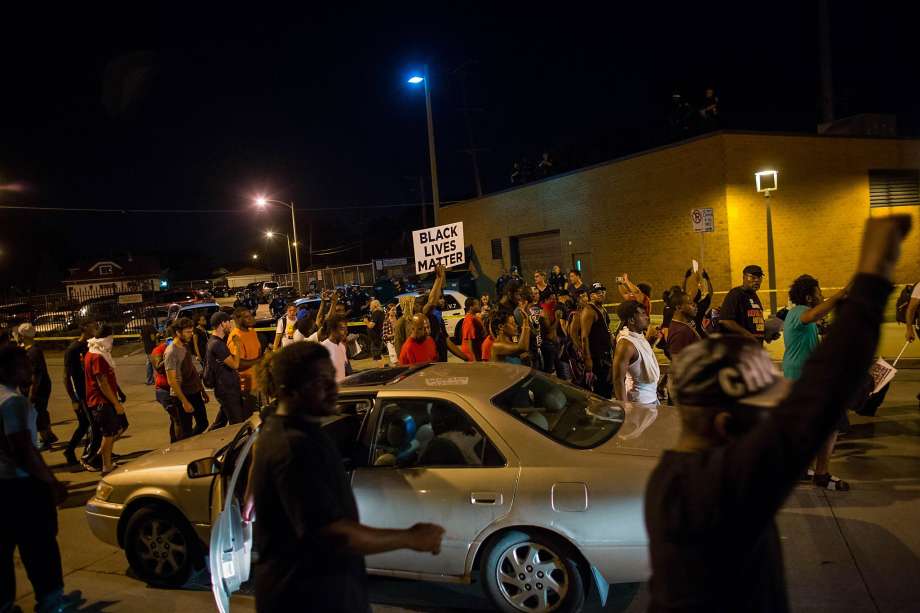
(209, 376)
(900, 313)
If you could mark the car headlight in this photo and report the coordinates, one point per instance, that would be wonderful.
(103, 491)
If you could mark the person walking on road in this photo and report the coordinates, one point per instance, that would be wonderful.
(149, 341)
(745, 439)
(635, 367)
(335, 345)
(39, 390)
(596, 341)
(186, 389)
(308, 532)
(28, 518)
(420, 347)
(911, 315)
(374, 325)
(683, 329)
(103, 396)
(75, 384)
(741, 311)
(801, 339)
(221, 366)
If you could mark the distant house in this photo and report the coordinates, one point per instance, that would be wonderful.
(246, 275)
(134, 274)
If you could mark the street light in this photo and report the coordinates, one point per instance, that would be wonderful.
(767, 182)
(270, 234)
(262, 202)
(255, 256)
(432, 157)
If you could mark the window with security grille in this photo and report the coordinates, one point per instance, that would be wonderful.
(894, 187)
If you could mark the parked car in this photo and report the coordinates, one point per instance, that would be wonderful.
(539, 484)
(285, 292)
(454, 307)
(16, 313)
(54, 322)
(154, 316)
(177, 296)
(221, 291)
(193, 312)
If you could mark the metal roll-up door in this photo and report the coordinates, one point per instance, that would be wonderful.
(537, 252)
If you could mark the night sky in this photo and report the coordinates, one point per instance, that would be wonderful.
(150, 106)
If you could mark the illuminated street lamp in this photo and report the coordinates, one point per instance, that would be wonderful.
(255, 256)
(271, 234)
(262, 202)
(767, 182)
(432, 157)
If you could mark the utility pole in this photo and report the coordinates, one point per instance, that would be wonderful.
(827, 77)
(472, 150)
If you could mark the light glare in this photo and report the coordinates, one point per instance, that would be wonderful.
(416, 80)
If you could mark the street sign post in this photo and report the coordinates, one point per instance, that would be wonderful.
(703, 222)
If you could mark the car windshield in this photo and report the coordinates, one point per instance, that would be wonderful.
(563, 412)
(376, 376)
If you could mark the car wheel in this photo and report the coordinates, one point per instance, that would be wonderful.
(532, 573)
(160, 546)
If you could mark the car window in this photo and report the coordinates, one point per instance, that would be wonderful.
(450, 303)
(415, 433)
(563, 412)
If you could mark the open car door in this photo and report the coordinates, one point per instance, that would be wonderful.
(231, 538)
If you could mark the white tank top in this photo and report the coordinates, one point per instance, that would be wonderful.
(641, 375)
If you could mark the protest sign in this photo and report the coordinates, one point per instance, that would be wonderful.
(882, 373)
(439, 245)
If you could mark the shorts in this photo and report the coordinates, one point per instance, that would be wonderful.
(106, 420)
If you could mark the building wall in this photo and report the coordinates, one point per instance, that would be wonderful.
(633, 215)
(819, 208)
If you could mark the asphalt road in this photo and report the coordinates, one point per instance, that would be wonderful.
(855, 551)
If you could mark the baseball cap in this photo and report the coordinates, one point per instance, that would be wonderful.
(753, 269)
(598, 287)
(26, 329)
(218, 318)
(726, 371)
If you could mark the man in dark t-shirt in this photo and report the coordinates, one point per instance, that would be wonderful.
(220, 370)
(75, 384)
(39, 392)
(308, 540)
(741, 311)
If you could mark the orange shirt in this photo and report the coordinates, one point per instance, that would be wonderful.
(251, 350)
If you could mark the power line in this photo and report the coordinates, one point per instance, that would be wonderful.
(60, 209)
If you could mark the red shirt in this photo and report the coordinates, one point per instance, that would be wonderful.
(414, 352)
(96, 366)
(487, 348)
(160, 377)
(470, 332)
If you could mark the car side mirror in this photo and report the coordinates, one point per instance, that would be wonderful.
(205, 467)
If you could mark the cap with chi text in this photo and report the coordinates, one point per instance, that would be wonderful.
(598, 287)
(753, 269)
(724, 371)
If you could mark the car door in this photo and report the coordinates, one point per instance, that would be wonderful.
(401, 483)
(231, 538)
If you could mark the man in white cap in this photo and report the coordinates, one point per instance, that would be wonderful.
(39, 391)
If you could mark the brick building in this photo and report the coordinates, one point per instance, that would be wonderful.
(632, 214)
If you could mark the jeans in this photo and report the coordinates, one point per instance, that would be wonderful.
(83, 426)
(150, 379)
(175, 426)
(29, 521)
(231, 406)
(200, 414)
(43, 417)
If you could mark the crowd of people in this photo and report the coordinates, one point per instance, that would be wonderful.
(730, 471)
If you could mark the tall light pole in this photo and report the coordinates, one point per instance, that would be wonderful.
(767, 182)
(432, 156)
(271, 234)
(262, 202)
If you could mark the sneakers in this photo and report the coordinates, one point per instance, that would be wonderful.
(830, 482)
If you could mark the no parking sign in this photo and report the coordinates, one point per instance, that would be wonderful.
(702, 220)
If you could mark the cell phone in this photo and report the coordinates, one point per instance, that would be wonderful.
(620, 280)
(696, 266)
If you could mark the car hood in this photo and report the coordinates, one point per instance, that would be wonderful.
(180, 454)
(647, 430)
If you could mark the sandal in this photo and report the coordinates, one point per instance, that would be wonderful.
(829, 482)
